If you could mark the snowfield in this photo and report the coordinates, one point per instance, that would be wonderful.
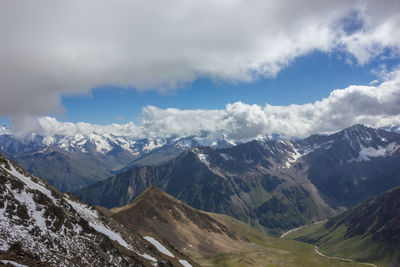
(16, 264)
(370, 152)
(159, 246)
(185, 263)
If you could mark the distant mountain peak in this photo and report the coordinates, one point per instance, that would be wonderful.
(357, 129)
(359, 143)
(5, 130)
(151, 194)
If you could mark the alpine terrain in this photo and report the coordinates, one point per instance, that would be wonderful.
(272, 184)
(212, 239)
(39, 226)
(70, 162)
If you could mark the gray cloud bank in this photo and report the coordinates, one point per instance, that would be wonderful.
(377, 105)
(52, 48)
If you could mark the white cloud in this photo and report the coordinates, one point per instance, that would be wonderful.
(49, 126)
(377, 106)
(52, 48)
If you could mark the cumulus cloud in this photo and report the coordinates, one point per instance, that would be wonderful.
(53, 48)
(49, 126)
(374, 105)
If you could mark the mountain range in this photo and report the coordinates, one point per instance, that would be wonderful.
(274, 185)
(70, 162)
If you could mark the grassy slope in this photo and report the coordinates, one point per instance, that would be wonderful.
(267, 251)
(367, 232)
(260, 251)
(360, 248)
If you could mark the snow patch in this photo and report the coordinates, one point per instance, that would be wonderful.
(151, 145)
(32, 185)
(249, 161)
(325, 145)
(26, 198)
(226, 156)
(147, 257)
(85, 211)
(370, 152)
(99, 227)
(93, 219)
(5, 130)
(16, 264)
(366, 153)
(293, 157)
(203, 158)
(159, 246)
(185, 263)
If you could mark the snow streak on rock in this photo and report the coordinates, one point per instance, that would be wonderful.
(56, 230)
(159, 246)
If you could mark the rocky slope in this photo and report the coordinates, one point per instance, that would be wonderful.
(273, 184)
(369, 231)
(39, 226)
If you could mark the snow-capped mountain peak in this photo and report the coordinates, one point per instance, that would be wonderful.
(5, 130)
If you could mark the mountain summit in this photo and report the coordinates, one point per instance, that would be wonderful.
(156, 212)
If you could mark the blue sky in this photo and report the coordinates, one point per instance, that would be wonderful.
(308, 79)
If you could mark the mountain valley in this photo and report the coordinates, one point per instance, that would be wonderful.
(370, 231)
(212, 239)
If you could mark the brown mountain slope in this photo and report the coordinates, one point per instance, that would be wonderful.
(155, 212)
(211, 239)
